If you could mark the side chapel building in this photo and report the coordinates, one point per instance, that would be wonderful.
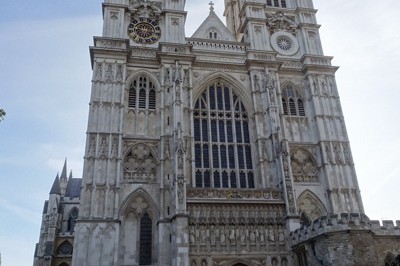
(227, 148)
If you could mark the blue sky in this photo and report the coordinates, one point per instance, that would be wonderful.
(45, 86)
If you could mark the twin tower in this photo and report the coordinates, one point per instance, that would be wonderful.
(206, 150)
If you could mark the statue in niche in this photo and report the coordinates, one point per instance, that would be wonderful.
(281, 237)
(222, 236)
(261, 235)
(232, 236)
(271, 236)
(212, 234)
(167, 77)
(192, 236)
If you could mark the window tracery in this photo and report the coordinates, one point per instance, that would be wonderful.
(222, 146)
(292, 102)
(276, 3)
(145, 89)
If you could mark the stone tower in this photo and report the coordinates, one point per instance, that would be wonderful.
(209, 150)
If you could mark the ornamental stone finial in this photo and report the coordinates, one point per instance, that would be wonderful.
(211, 6)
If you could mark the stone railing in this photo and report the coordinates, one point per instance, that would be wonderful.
(216, 46)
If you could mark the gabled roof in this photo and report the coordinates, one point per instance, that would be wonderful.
(213, 24)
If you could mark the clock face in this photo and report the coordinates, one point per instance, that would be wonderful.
(144, 31)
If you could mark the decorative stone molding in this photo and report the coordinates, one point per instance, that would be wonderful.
(215, 46)
(226, 227)
(281, 22)
(145, 8)
(233, 194)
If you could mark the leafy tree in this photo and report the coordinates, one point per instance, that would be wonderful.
(2, 114)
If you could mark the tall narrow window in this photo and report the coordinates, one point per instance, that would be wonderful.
(142, 94)
(73, 216)
(292, 102)
(145, 240)
(223, 156)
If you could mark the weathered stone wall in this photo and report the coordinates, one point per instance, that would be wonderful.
(348, 239)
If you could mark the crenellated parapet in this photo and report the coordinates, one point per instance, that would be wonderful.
(336, 223)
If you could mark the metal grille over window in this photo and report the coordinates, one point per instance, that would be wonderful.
(292, 102)
(145, 89)
(145, 240)
(223, 155)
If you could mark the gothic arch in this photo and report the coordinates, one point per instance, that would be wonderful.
(151, 208)
(310, 207)
(223, 146)
(143, 72)
(138, 234)
(237, 87)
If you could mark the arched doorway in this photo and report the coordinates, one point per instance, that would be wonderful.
(240, 264)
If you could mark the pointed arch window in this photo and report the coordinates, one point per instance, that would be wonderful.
(142, 94)
(292, 102)
(146, 233)
(223, 156)
(72, 217)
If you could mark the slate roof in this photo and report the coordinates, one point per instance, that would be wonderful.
(73, 188)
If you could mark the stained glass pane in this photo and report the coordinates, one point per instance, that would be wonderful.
(221, 131)
(246, 132)
(206, 157)
(215, 154)
(224, 163)
(249, 163)
(240, 157)
(212, 98)
(220, 99)
(229, 131)
(239, 138)
(214, 134)
(199, 181)
(233, 180)
(207, 182)
(145, 240)
(204, 129)
(196, 128)
(225, 182)
(250, 179)
(243, 180)
(227, 99)
(217, 181)
(197, 149)
(231, 151)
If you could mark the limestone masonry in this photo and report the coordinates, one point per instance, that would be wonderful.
(226, 148)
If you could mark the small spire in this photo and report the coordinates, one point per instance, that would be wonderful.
(55, 189)
(64, 171)
(70, 175)
(211, 6)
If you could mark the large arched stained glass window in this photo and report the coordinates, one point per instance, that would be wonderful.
(223, 157)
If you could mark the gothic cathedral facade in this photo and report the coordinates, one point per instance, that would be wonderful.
(207, 150)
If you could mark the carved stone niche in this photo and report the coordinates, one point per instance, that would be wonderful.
(140, 164)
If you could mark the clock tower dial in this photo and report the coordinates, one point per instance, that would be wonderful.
(144, 31)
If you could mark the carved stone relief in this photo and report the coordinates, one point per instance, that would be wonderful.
(139, 164)
(225, 228)
(304, 166)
